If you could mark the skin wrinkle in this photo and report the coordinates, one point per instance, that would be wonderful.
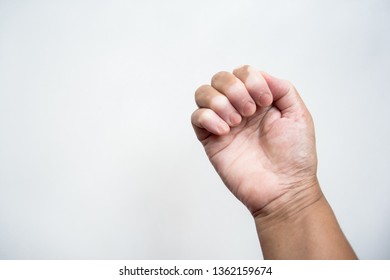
(293, 210)
(269, 163)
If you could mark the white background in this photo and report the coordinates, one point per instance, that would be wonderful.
(97, 155)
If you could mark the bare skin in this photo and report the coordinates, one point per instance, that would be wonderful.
(259, 136)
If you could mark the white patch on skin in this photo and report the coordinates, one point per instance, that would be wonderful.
(235, 88)
(219, 103)
(252, 80)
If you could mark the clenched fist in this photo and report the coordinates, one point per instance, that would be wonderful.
(258, 134)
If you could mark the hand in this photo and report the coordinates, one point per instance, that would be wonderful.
(258, 134)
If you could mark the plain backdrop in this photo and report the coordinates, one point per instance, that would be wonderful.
(98, 159)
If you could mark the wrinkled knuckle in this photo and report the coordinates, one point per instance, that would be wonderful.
(242, 68)
(194, 115)
(220, 76)
(200, 91)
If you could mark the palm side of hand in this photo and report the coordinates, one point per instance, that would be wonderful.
(269, 148)
(258, 159)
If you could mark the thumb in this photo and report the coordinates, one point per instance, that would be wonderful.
(285, 96)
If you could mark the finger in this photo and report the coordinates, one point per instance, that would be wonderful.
(206, 121)
(208, 97)
(273, 114)
(255, 84)
(230, 86)
(286, 97)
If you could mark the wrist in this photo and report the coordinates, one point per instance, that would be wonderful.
(291, 205)
(300, 224)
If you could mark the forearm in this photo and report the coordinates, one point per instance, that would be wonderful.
(256, 129)
(301, 225)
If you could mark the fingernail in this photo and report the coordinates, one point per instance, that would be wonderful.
(249, 108)
(235, 118)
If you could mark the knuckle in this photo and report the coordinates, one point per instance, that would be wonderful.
(200, 116)
(200, 91)
(243, 68)
(218, 103)
(204, 116)
(194, 115)
(220, 76)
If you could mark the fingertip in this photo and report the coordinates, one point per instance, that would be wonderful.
(235, 119)
(266, 99)
(249, 109)
(222, 128)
